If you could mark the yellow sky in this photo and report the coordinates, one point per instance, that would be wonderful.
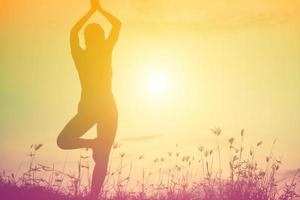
(233, 64)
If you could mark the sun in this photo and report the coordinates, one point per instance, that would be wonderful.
(158, 83)
(157, 80)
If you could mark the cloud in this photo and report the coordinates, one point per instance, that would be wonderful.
(141, 138)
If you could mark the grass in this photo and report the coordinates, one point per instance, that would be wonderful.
(173, 177)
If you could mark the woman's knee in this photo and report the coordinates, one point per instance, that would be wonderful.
(61, 142)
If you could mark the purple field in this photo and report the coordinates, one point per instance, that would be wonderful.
(246, 180)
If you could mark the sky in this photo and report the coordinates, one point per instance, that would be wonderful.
(228, 64)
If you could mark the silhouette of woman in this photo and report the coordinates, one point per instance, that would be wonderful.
(97, 105)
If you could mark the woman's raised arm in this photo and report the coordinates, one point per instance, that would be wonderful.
(116, 26)
(74, 39)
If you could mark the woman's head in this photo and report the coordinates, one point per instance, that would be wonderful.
(94, 36)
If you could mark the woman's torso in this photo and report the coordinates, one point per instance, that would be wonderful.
(95, 74)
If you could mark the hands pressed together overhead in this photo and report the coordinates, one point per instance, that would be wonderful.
(95, 5)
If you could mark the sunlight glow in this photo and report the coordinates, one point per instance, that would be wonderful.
(158, 83)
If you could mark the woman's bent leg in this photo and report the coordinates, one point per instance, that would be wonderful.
(69, 138)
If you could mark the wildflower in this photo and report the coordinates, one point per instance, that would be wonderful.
(156, 160)
(231, 140)
(122, 155)
(71, 177)
(251, 151)
(37, 147)
(216, 131)
(141, 157)
(116, 145)
(185, 158)
(242, 132)
(262, 174)
(201, 148)
(35, 169)
(170, 154)
(267, 159)
(279, 161)
(259, 143)
(235, 158)
(31, 154)
(177, 154)
(45, 168)
(206, 153)
(162, 159)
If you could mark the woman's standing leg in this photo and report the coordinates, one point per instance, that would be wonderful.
(106, 134)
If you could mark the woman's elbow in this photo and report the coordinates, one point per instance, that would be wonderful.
(117, 23)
